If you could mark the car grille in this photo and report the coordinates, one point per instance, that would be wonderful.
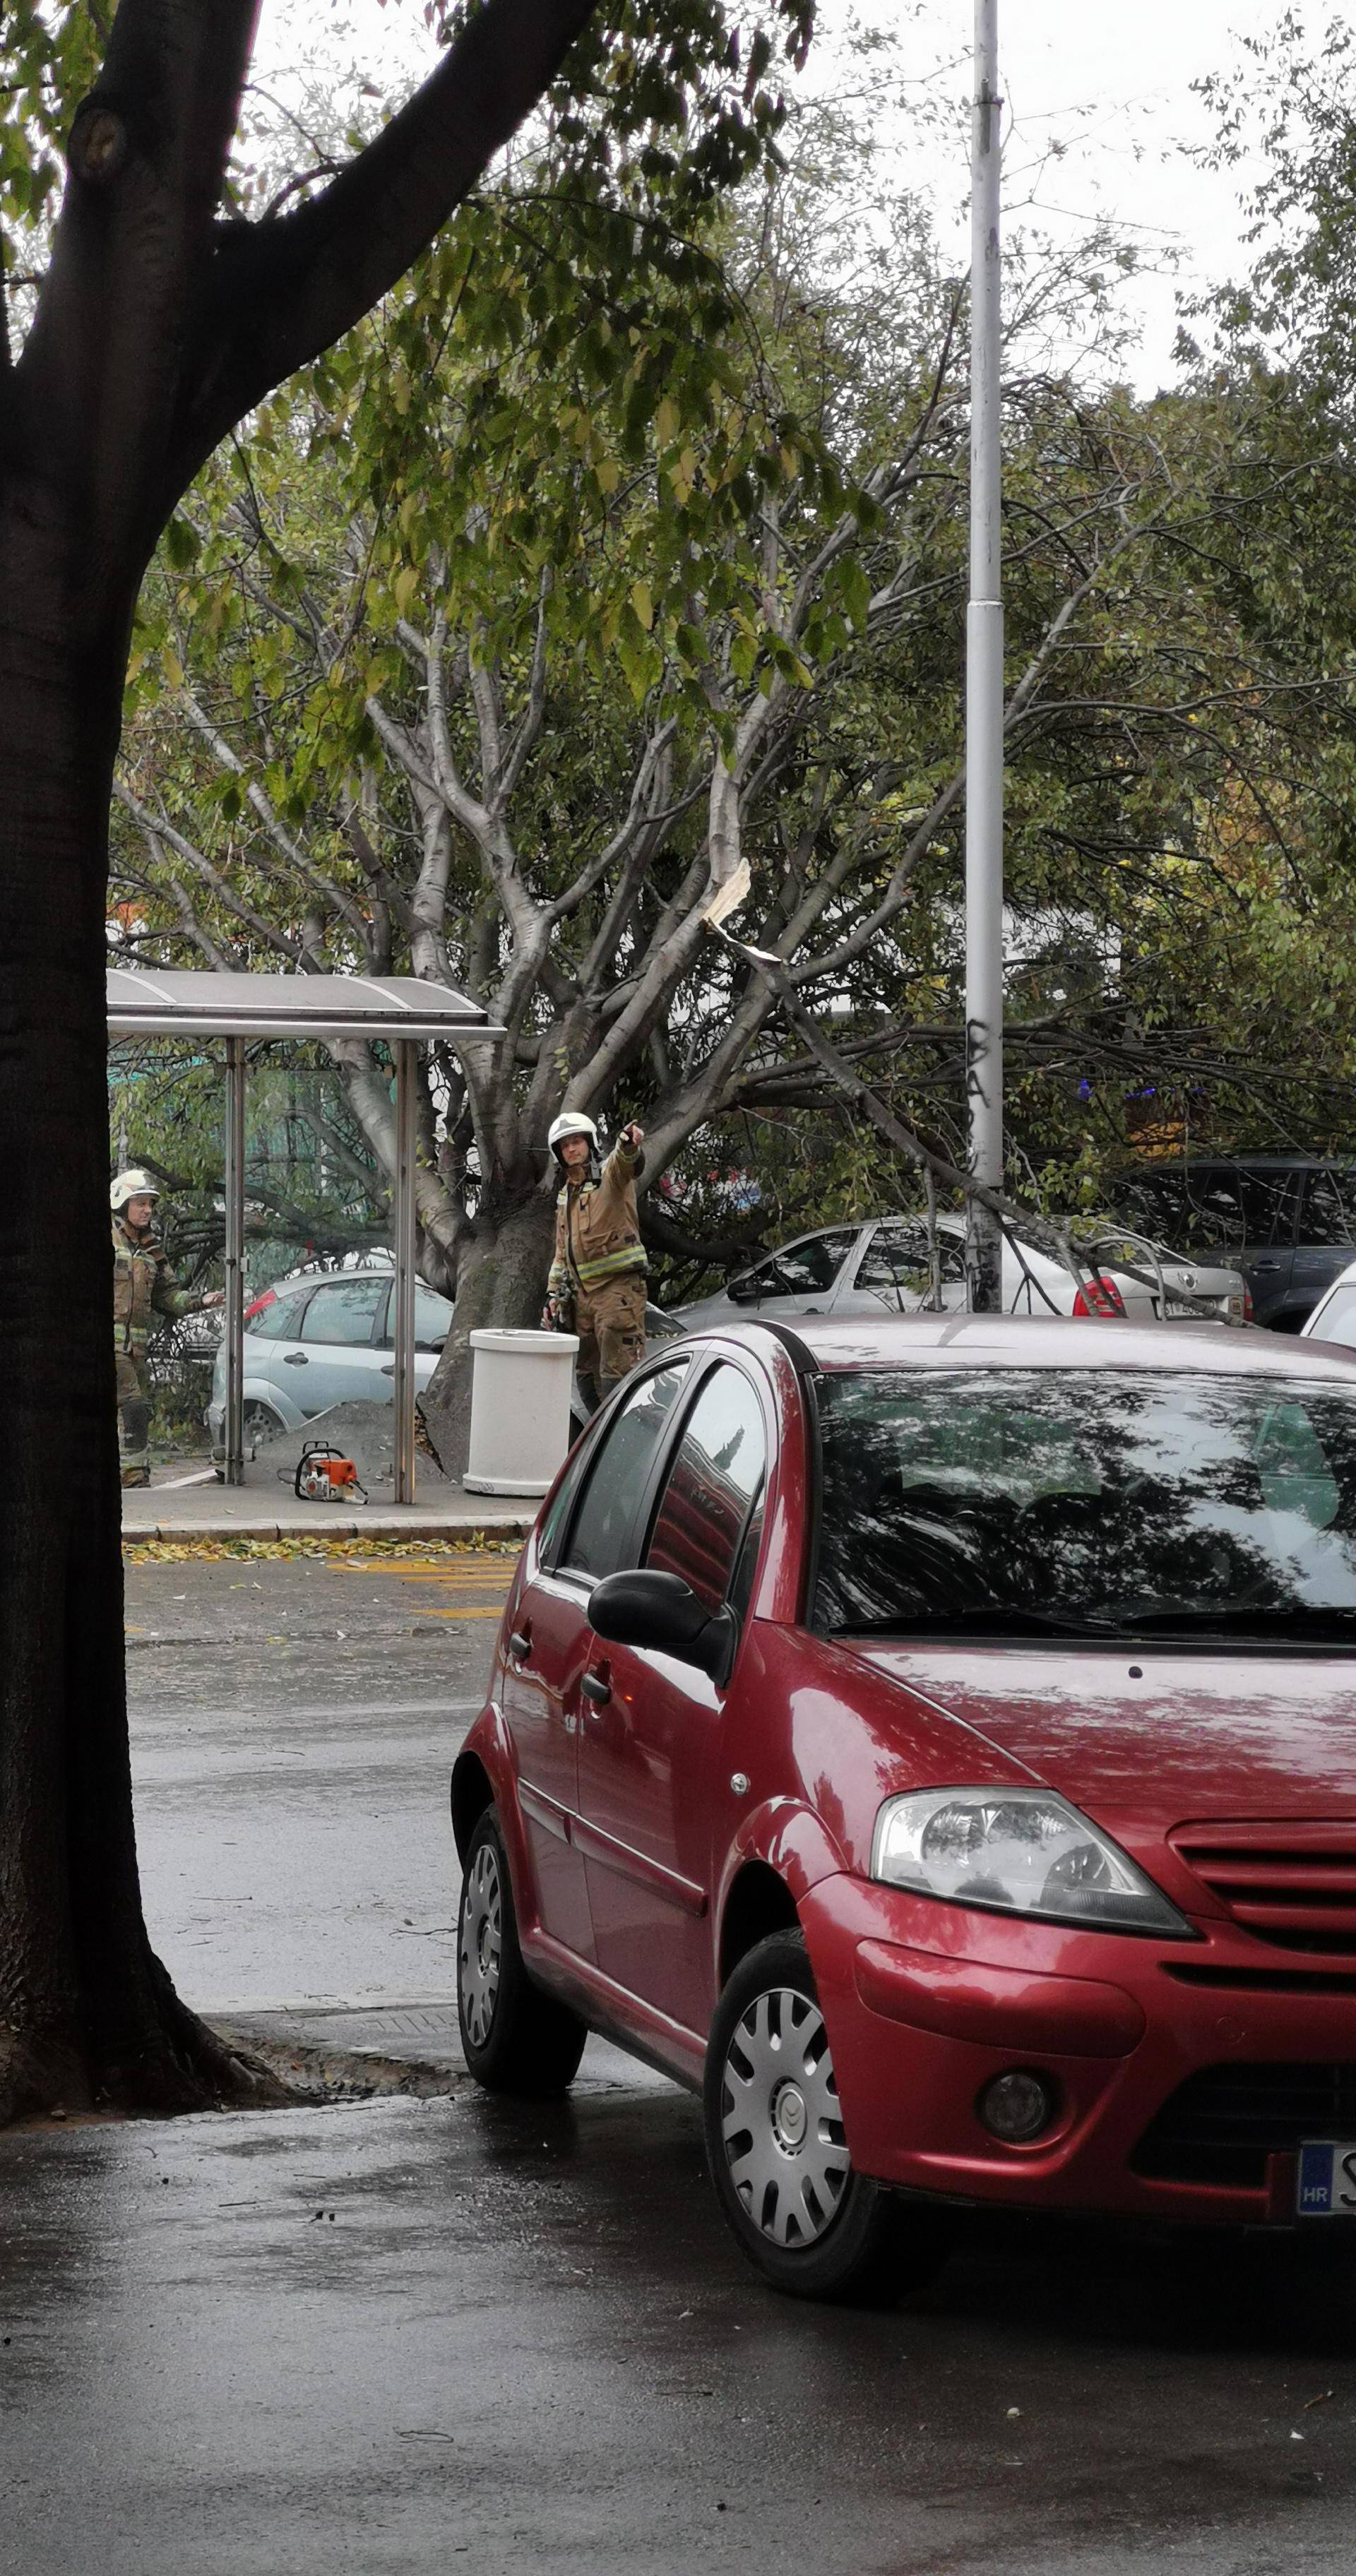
(1223, 2123)
(1290, 1884)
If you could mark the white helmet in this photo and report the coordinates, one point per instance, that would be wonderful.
(571, 1122)
(131, 1185)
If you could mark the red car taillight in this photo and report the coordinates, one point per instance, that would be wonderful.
(268, 1299)
(1247, 1304)
(1099, 1296)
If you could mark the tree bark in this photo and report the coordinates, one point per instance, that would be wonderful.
(86, 2011)
(155, 326)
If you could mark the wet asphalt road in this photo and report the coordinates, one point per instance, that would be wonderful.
(294, 1725)
(522, 2338)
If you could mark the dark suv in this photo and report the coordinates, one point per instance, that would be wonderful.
(1286, 1221)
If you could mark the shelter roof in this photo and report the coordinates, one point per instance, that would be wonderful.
(209, 1002)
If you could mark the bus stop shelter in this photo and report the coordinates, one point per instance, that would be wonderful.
(204, 1003)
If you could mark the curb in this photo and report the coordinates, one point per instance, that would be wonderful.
(330, 1525)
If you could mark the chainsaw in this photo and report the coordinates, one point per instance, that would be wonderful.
(323, 1476)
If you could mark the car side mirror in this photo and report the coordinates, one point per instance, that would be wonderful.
(743, 1292)
(661, 1611)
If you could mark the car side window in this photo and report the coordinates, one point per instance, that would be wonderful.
(896, 1259)
(280, 1322)
(811, 1266)
(1329, 1208)
(715, 1473)
(1232, 1207)
(344, 1311)
(552, 1529)
(618, 1473)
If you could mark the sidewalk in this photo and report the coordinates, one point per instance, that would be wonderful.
(191, 1504)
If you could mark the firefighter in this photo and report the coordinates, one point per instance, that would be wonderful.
(143, 1284)
(597, 1283)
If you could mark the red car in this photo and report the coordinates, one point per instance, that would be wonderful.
(936, 1739)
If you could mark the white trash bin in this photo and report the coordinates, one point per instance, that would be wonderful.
(520, 1410)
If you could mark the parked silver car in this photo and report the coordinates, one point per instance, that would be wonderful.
(888, 1262)
(326, 1338)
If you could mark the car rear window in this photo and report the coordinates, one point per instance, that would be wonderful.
(1086, 1502)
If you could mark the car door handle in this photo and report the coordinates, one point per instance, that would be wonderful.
(595, 1688)
(1272, 1263)
(295, 1359)
(520, 1644)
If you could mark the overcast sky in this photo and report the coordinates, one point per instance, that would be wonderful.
(1113, 83)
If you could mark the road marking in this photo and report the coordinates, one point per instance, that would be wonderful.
(465, 1610)
(417, 1572)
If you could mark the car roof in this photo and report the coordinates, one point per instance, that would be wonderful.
(845, 1343)
(1338, 1160)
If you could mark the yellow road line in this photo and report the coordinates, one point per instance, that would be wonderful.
(421, 1573)
(464, 1610)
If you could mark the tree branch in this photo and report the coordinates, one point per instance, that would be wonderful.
(282, 291)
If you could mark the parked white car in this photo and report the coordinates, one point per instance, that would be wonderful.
(1334, 1317)
(326, 1338)
(858, 1269)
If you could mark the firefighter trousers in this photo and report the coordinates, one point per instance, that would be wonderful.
(134, 1417)
(610, 1322)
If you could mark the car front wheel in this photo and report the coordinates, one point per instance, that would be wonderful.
(776, 2147)
(516, 2038)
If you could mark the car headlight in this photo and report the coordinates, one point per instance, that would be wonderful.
(1019, 1851)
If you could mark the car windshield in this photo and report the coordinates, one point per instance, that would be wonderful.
(1021, 1502)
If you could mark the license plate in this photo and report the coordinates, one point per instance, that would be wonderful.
(1326, 2186)
(1201, 1307)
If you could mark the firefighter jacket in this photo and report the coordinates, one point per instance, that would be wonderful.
(143, 1284)
(597, 1228)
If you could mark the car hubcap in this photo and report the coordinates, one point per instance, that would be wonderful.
(479, 1947)
(781, 2121)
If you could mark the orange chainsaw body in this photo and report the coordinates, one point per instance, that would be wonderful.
(324, 1477)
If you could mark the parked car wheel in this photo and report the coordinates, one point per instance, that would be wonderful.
(778, 2158)
(258, 1423)
(516, 2038)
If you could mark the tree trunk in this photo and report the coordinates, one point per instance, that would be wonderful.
(501, 1279)
(157, 328)
(87, 2014)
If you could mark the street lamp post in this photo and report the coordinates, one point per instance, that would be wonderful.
(984, 685)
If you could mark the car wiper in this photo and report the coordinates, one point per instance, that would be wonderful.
(1295, 1619)
(979, 1622)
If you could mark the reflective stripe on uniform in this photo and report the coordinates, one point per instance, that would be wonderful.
(610, 1265)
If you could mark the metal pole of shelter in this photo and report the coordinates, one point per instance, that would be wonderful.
(984, 683)
(403, 1389)
(233, 1430)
